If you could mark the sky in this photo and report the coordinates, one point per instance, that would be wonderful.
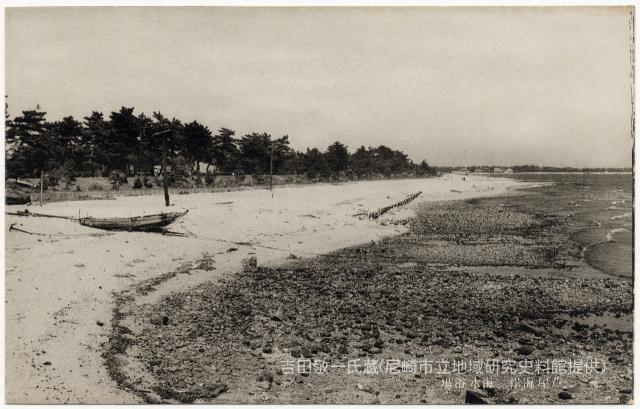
(452, 86)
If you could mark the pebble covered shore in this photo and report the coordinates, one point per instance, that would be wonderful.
(497, 281)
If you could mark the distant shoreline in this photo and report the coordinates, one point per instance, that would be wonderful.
(552, 173)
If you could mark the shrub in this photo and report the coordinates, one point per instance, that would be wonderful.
(95, 187)
(118, 178)
(209, 179)
(50, 181)
(179, 175)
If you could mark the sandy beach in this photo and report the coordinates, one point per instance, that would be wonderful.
(62, 280)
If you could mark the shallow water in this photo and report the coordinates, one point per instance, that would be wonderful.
(612, 257)
(599, 209)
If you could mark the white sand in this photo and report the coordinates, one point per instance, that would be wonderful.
(58, 287)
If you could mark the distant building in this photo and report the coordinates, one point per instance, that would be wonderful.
(157, 169)
(509, 170)
(498, 170)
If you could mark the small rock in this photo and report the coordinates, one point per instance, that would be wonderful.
(530, 329)
(250, 264)
(47, 363)
(164, 320)
(616, 358)
(265, 377)
(512, 399)
(100, 323)
(473, 397)
(491, 391)
(363, 388)
(564, 395)
(525, 350)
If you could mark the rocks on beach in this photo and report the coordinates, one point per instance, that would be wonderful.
(401, 297)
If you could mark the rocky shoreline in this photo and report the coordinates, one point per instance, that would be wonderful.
(498, 289)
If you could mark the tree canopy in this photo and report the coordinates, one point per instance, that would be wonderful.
(131, 143)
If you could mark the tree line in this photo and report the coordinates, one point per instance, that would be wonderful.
(133, 144)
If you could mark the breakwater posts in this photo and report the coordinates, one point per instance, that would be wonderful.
(377, 213)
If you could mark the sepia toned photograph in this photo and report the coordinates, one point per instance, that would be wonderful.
(319, 205)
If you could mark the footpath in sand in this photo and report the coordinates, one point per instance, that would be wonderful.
(61, 281)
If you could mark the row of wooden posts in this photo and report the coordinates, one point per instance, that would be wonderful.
(377, 213)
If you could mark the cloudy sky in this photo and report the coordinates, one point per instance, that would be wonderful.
(549, 86)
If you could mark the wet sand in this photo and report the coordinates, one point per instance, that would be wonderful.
(64, 280)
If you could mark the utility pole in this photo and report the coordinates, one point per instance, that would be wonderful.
(41, 186)
(271, 172)
(165, 186)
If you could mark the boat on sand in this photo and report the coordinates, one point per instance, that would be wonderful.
(151, 222)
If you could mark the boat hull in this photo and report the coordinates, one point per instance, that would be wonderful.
(13, 197)
(151, 222)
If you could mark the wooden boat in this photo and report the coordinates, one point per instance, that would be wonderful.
(13, 197)
(22, 183)
(138, 223)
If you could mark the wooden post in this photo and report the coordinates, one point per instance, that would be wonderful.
(165, 186)
(271, 172)
(41, 186)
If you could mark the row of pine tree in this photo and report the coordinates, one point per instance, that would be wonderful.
(132, 144)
